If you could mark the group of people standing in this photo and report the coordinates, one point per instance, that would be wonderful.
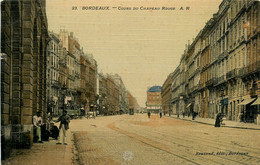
(46, 130)
(149, 114)
(218, 122)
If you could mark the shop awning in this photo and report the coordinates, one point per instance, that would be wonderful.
(247, 101)
(257, 102)
(188, 105)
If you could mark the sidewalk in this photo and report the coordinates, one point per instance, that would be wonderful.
(47, 153)
(228, 123)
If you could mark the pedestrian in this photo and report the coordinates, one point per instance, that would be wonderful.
(64, 120)
(37, 123)
(193, 114)
(149, 114)
(218, 120)
(160, 114)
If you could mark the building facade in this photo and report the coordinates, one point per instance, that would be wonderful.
(123, 101)
(112, 96)
(167, 95)
(24, 37)
(154, 99)
(53, 86)
(227, 60)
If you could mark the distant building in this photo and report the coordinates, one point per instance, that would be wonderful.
(154, 99)
(123, 101)
(166, 95)
(52, 77)
(133, 105)
(112, 96)
(175, 91)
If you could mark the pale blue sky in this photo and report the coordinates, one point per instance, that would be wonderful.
(142, 46)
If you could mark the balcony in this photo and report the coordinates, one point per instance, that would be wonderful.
(55, 83)
(210, 82)
(242, 72)
(220, 80)
(232, 74)
(222, 55)
(253, 68)
(196, 87)
(201, 86)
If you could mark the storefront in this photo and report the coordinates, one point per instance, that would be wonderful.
(257, 104)
(249, 110)
(224, 106)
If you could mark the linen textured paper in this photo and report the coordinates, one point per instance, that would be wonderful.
(139, 82)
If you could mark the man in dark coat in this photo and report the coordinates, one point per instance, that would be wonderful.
(64, 126)
(149, 114)
(218, 120)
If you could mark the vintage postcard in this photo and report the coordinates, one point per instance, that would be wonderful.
(137, 82)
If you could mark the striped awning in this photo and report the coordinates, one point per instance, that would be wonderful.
(257, 102)
(247, 101)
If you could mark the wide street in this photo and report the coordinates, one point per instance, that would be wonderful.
(135, 139)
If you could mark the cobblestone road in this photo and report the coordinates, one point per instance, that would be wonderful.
(137, 140)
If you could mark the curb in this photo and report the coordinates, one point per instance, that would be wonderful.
(213, 124)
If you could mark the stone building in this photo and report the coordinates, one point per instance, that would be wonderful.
(192, 58)
(74, 48)
(236, 58)
(112, 100)
(24, 37)
(63, 77)
(103, 101)
(154, 99)
(218, 61)
(123, 101)
(84, 80)
(67, 44)
(178, 88)
(228, 65)
(205, 79)
(102, 93)
(167, 95)
(182, 93)
(251, 72)
(53, 86)
(132, 102)
(92, 86)
(175, 88)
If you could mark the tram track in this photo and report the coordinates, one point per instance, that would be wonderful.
(156, 145)
(213, 145)
(163, 135)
